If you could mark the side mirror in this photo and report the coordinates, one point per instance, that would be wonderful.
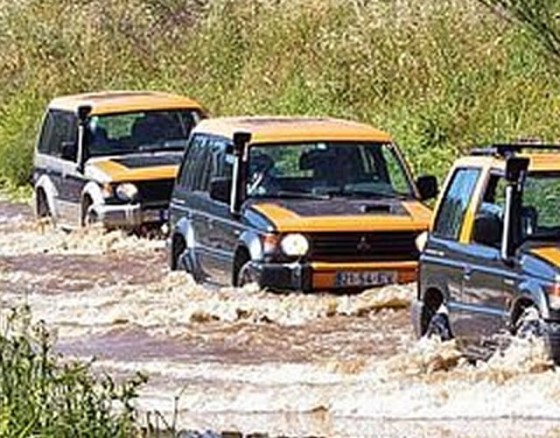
(69, 150)
(487, 230)
(427, 186)
(83, 113)
(220, 189)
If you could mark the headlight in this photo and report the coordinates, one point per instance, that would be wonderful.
(295, 245)
(126, 192)
(554, 294)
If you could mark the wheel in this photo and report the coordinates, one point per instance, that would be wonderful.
(246, 275)
(42, 205)
(530, 324)
(177, 251)
(439, 326)
(89, 216)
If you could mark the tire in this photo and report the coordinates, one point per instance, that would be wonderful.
(42, 205)
(530, 324)
(246, 275)
(177, 250)
(439, 326)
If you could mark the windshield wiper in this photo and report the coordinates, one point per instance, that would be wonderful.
(360, 193)
(296, 194)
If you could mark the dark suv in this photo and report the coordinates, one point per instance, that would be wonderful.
(296, 204)
(491, 262)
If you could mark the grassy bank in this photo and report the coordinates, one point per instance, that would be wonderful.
(43, 396)
(439, 75)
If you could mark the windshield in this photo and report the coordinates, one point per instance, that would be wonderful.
(118, 134)
(540, 213)
(325, 169)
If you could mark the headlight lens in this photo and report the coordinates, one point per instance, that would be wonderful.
(295, 245)
(126, 192)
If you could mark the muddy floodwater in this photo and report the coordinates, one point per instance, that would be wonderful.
(256, 362)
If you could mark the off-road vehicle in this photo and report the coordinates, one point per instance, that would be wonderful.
(111, 157)
(296, 204)
(491, 262)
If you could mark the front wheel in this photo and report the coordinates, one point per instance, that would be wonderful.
(530, 324)
(247, 275)
(439, 326)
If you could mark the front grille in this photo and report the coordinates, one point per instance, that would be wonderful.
(155, 193)
(377, 246)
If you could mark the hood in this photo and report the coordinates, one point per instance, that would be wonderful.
(336, 215)
(549, 253)
(136, 167)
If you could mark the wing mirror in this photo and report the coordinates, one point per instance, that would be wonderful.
(69, 150)
(427, 187)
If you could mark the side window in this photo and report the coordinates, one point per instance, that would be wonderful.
(63, 129)
(191, 169)
(455, 202)
(488, 223)
(46, 132)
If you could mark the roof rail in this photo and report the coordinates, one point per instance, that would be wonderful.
(505, 150)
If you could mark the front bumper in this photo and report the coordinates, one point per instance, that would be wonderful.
(128, 215)
(321, 276)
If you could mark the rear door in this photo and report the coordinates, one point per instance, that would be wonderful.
(443, 261)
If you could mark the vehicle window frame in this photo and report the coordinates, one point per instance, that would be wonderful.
(494, 172)
(70, 135)
(449, 185)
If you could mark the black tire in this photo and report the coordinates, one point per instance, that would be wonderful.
(530, 324)
(246, 275)
(42, 205)
(439, 326)
(177, 250)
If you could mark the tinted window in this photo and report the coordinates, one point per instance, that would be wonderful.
(116, 134)
(59, 127)
(193, 163)
(455, 203)
(490, 213)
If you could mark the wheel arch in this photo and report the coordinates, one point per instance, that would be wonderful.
(46, 186)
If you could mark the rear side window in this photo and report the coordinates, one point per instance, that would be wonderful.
(455, 203)
(59, 127)
(193, 166)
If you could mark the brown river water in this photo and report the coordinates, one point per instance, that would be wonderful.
(256, 362)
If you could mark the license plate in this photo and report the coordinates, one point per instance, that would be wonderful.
(155, 216)
(368, 278)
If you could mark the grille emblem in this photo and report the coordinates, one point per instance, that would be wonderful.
(363, 245)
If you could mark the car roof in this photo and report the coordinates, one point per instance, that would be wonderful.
(107, 102)
(276, 129)
(538, 162)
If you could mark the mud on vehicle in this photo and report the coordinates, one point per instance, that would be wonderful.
(111, 157)
(491, 261)
(298, 204)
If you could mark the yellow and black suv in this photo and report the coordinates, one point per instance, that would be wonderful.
(111, 157)
(300, 204)
(491, 262)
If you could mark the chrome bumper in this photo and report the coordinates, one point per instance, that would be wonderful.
(128, 215)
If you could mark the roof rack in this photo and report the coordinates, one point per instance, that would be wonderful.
(505, 150)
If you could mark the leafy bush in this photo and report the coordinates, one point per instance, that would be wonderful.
(42, 395)
(439, 75)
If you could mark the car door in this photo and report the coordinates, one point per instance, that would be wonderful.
(443, 260)
(488, 282)
(223, 228)
(66, 176)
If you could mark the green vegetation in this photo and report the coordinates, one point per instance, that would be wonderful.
(439, 75)
(43, 396)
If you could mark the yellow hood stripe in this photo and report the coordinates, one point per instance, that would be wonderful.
(117, 172)
(550, 254)
(287, 221)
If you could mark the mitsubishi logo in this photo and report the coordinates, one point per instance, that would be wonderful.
(363, 245)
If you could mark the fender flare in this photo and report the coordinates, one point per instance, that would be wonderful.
(251, 240)
(47, 186)
(93, 190)
(184, 228)
(531, 290)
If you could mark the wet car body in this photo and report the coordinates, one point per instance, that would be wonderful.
(490, 257)
(255, 201)
(111, 157)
